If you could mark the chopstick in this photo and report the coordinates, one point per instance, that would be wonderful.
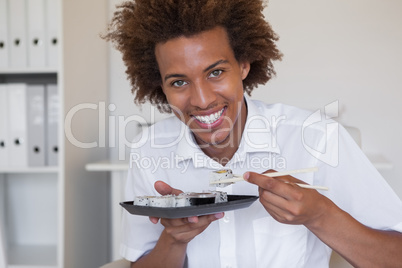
(237, 178)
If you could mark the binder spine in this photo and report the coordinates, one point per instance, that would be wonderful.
(52, 32)
(18, 152)
(52, 111)
(4, 43)
(17, 34)
(3, 238)
(36, 33)
(36, 125)
(4, 144)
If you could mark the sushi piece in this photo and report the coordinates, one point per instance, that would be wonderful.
(201, 198)
(220, 197)
(221, 175)
(182, 200)
(164, 201)
(141, 201)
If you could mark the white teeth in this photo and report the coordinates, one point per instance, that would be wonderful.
(209, 119)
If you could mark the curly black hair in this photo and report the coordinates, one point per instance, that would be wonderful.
(137, 26)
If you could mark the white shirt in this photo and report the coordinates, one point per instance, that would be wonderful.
(276, 137)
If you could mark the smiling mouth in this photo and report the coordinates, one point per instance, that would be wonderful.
(210, 119)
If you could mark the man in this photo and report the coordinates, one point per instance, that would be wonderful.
(196, 59)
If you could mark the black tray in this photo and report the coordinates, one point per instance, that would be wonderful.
(234, 202)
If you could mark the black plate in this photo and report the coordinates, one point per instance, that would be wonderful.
(234, 202)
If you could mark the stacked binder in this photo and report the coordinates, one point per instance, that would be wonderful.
(29, 34)
(29, 116)
(3, 257)
(3, 238)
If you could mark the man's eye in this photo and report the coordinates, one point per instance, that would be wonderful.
(216, 73)
(179, 83)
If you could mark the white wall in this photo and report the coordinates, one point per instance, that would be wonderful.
(334, 50)
(120, 95)
(348, 51)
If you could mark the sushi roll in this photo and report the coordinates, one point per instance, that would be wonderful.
(164, 201)
(220, 197)
(221, 175)
(182, 200)
(141, 201)
(201, 198)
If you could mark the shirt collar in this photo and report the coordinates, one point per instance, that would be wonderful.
(188, 149)
(259, 134)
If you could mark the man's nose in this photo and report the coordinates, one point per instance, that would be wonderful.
(202, 95)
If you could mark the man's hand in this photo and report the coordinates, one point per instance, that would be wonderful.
(183, 230)
(163, 189)
(286, 201)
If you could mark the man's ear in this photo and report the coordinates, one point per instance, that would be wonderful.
(245, 69)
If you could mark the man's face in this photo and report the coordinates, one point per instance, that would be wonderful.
(202, 81)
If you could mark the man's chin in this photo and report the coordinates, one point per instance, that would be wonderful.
(216, 142)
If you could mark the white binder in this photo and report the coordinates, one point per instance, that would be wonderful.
(17, 111)
(17, 34)
(36, 125)
(4, 43)
(3, 126)
(52, 32)
(3, 257)
(52, 117)
(36, 33)
(3, 239)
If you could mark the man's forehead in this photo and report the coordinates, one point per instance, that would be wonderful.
(199, 51)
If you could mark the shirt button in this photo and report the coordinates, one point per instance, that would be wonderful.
(226, 220)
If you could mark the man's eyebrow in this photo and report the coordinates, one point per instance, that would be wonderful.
(214, 65)
(174, 76)
(205, 70)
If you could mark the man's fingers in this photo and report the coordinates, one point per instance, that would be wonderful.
(276, 186)
(266, 181)
(193, 219)
(259, 180)
(154, 220)
(211, 217)
(164, 188)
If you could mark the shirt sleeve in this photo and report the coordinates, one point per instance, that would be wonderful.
(138, 234)
(357, 187)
